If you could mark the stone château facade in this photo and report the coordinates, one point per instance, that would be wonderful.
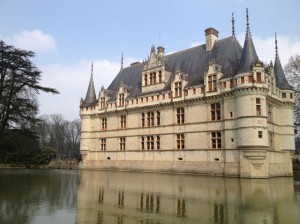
(213, 109)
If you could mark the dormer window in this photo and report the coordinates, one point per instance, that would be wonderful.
(178, 89)
(159, 77)
(102, 103)
(212, 82)
(258, 77)
(121, 99)
(146, 80)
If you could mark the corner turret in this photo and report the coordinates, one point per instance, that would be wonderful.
(90, 97)
(281, 81)
(249, 55)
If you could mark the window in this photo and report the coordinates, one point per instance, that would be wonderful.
(202, 89)
(283, 95)
(215, 112)
(102, 103)
(260, 134)
(122, 143)
(142, 143)
(231, 83)
(180, 115)
(258, 77)
(150, 142)
(178, 89)
(159, 76)
(194, 91)
(103, 144)
(258, 107)
(224, 85)
(121, 99)
(212, 83)
(104, 124)
(216, 140)
(250, 78)
(150, 119)
(291, 95)
(146, 80)
(157, 118)
(242, 79)
(180, 141)
(157, 98)
(157, 142)
(154, 77)
(143, 119)
(186, 92)
(123, 121)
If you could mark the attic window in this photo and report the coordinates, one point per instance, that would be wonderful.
(242, 79)
(121, 99)
(258, 77)
(212, 82)
(250, 78)
(178, 89)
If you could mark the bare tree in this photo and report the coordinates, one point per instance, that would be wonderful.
(292, 71)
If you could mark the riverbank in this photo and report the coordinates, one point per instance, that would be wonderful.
(54, 164)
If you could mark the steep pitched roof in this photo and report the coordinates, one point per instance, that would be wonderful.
(193, 62)
(249, 55)
(90, 98)
(281, 81)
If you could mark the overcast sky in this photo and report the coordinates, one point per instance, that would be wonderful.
(67, 35)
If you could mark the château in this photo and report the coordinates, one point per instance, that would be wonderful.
(213, 109)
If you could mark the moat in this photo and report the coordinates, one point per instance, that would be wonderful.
(84, 196)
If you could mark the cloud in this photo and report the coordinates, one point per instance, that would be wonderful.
(34, 40)
(195, 44)
(265, 47)
(72, 82)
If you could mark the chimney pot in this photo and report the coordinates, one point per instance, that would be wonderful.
(211, 35)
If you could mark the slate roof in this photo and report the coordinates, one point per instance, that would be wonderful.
(249, 55)
(193, 61)
(90, 98)
(281, 81)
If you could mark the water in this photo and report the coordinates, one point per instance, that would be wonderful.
(72, 196)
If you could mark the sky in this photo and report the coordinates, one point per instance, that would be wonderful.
(67, 35)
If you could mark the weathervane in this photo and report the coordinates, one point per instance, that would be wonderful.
(232, 21)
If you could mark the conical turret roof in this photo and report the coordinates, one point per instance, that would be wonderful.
(249, 55)
(281, 81)
(90, 97)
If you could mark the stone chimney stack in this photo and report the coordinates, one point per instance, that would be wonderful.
(160, 52)
(211, 35)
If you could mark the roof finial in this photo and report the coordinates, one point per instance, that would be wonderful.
(276, 47)
(232, 21)
(248, 34)
(92, 70)
(122, 60)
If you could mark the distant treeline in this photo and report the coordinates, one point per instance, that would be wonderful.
(52, 138)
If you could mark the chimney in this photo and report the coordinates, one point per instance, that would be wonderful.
(211, 35)
(160, 52)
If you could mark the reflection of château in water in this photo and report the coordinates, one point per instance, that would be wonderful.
(212, 109)
(128, 198)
